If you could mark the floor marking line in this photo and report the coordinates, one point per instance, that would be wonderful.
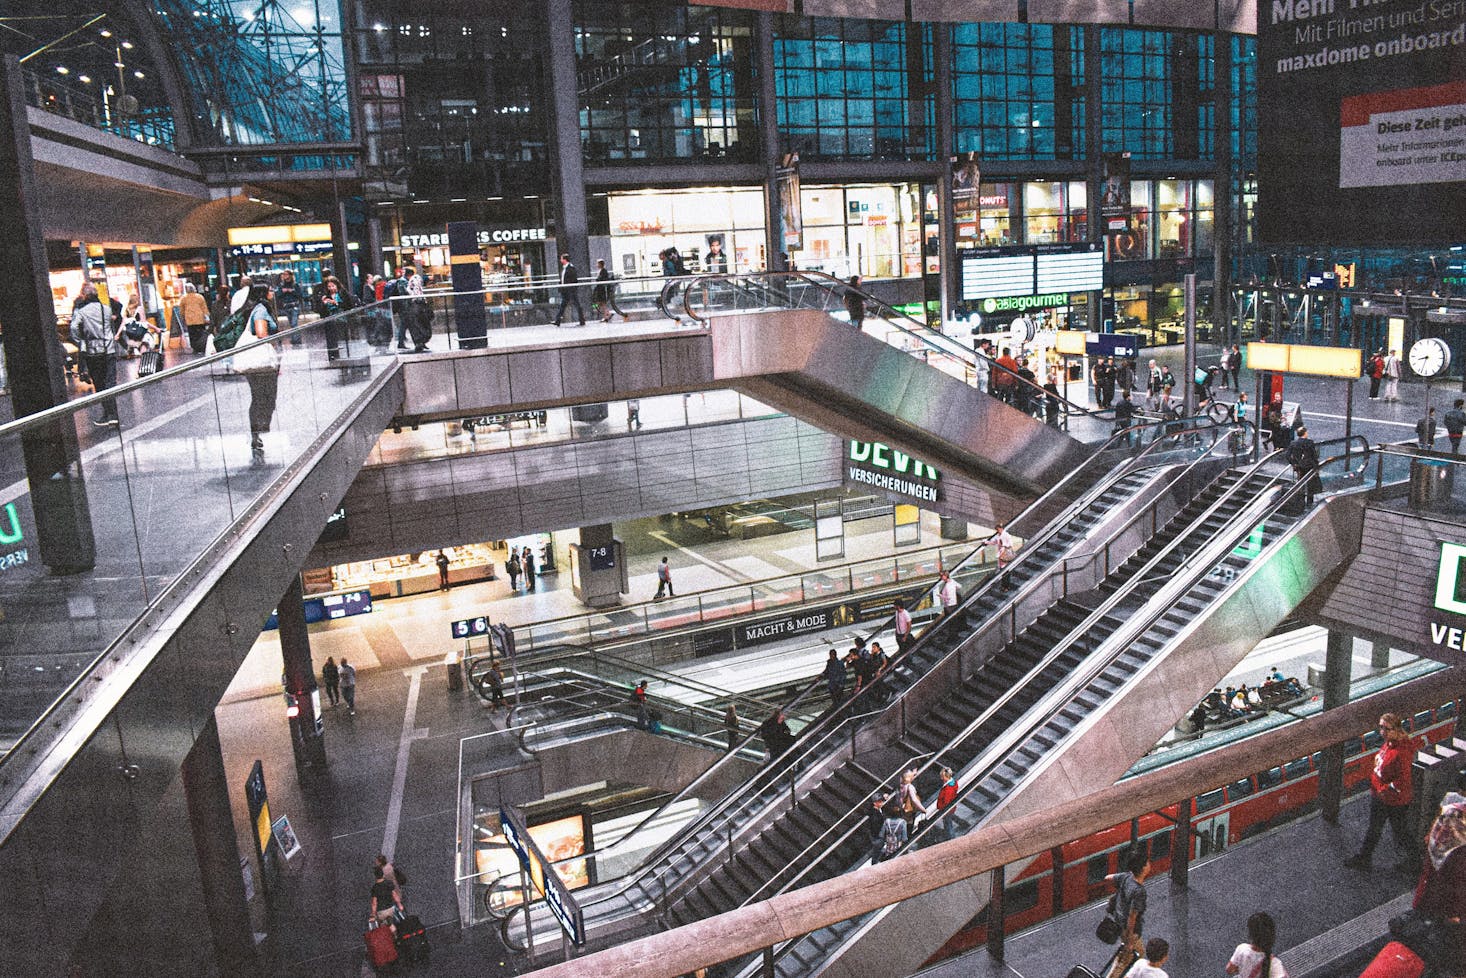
(1358, 420)
(399, 775)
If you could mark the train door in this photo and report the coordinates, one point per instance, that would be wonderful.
(1209, 831)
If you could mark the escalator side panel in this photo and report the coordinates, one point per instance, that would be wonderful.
(1216, 640)
(819, 368)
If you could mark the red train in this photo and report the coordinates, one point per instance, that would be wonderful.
(1220, 818)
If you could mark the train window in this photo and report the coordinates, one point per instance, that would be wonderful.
(1240, 789)
(1422, 719)
(1272, 776)
(1373, 739)
(1208, 801)
(1317, 759)
(1020, 898)
(1160, 845)
(1296, 769)
(1098, 867)
(1353, 747)
(1446, 710)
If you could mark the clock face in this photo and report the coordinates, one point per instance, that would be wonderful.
(1429, 357)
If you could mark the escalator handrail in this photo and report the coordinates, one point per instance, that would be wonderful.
(614, 693)
(551, 658)
(828, 734)
(857, 815)
(831, 726)
(933, 340)
(1135, 628)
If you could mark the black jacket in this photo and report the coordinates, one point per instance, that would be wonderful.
(1303, 455)
(568, 276)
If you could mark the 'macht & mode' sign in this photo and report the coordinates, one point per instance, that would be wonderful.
(879, 466)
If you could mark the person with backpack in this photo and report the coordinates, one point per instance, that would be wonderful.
(94, 330)
(259, 362)
(396, 291)
(513, 569)
(893, 832)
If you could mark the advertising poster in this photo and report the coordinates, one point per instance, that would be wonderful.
(1361, 121)
(791, 208)
(1115, 193)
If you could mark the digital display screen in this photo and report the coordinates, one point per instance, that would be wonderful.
(1079, 272)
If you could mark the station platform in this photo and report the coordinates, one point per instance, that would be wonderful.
(1294, 872)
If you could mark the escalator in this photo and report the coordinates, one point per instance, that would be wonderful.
(804, 796)
(1232, 537)
(968, 718)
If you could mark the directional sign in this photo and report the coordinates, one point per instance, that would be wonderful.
(471, 627)
(542, 875)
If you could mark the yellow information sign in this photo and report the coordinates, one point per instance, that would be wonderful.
(1317, 361)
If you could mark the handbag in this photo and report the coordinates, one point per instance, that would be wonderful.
(1109, 928)
(255, 356)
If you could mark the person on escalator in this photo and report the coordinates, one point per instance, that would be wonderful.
(1303, 457)
(776, 734)
(1124, 415)
(903, 627)
(1002, 542)
(894, 833)
(855, 303)
(1005, 376)
(947, 594)
(910, 798)
(835, 678)
(945, 799)
(637, 700)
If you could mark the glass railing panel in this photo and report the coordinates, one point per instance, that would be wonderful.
(123, 510)
(675, 613)
(777, 594)
(918, 565)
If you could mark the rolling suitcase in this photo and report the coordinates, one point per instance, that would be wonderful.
(412, 940)
(381, 948)
(1395, 960)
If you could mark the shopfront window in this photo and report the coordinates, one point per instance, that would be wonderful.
(1055, 212)
(873, 231)
(851, 89)
(1018, 91)
(659, 82)
(643, 224)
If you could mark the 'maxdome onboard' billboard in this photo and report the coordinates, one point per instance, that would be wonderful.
(1361, 121)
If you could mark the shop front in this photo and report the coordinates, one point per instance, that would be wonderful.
(157, 278)
(509, 255)
(876, 231)
(416, 573)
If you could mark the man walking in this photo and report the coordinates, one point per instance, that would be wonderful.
(194, 309)
(1390, 792)
(903, 626)
(348, 686)
(569, 290)
(442, 563)
(664, 580)
(94, 331)
(1303, 456)
(1425, 430)
(1392, 377)
(603, 296)
(1455, 421)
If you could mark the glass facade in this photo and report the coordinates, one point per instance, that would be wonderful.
(1018, 91)
(1158, 93)
(855, 89)
(261, 74)
(453, 104)
(659, 82)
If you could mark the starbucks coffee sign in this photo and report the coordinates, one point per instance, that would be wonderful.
(875, 464)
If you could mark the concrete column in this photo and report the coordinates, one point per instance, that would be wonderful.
(1337, 668)
(372, 262)
(768, 130)
(572, 221)
(1379, 655)
(946, 221)
(602, 566)
(307, 737)
(33, 354)
(1224, 180)
(206, 790)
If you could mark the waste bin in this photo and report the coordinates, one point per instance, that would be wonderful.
(1431, 482)
(455, 675)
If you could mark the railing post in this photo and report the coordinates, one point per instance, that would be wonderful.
(768, 968)
(995, 913)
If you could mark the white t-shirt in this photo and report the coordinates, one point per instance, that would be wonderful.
(1144, 969)
(1249, 962)
(947, 594)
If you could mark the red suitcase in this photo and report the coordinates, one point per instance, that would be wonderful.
(381, 947)
(1395, 961)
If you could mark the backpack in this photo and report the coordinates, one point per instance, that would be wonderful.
(232, 328)
(890, 838)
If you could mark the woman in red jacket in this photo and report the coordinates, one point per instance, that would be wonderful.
(1390, 791)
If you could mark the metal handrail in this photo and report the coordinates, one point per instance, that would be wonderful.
(822, 727)
(1037, 669)
(650, 672)
(917, 329)
(1062, 693)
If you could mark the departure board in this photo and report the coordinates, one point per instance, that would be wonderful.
(1082, 271)
(998, 273)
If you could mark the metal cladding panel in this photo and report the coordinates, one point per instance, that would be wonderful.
(480, 380)
(866, 9)
(636, 366)
(1168, 13)
(1396, 569)
(534, 378)
(586, 371)
(1080, 11)
(433, 385)
(969, 11)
